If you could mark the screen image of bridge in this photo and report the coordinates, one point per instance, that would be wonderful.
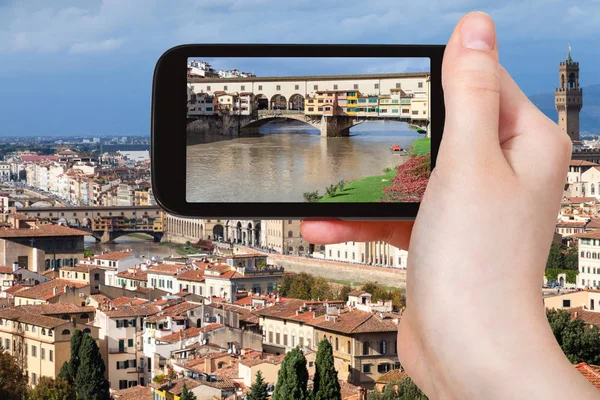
(348, 134)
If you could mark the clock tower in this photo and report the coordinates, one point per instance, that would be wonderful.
(568, 97)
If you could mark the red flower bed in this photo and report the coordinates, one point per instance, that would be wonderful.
(410, 182)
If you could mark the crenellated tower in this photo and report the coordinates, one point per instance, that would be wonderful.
(568, 97)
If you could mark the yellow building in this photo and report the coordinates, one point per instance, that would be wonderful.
(42, 342)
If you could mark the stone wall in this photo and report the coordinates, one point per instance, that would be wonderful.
(340, 271)
(230, 125)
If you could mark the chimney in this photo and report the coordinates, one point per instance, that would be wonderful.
(15, 266)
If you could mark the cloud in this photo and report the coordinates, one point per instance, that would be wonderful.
(96, 47)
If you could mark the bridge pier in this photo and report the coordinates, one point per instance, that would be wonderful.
(336, 126)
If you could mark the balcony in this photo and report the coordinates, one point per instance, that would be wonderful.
(119, 350)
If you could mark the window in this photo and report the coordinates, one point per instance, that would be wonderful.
(415, 112)
(51, 355)
(420, 84)
(377, 86)
(259, 87)
(383, 368)
(122, 384)
(270, 337)
(243, 87)
(285, 339)
(335, 87)
(365, 348)
(225, 87)
(383, 347)
(316, 87)
(297, 87)
(337, 344)
(348, 348)
(397, 86)
(566, 303)
(290, 234)
(33, 378)
(33, 351)
(278, 87)
(130, 342)
(277, 338)
(367, 369)
(42, 353)
(7, 344)
(356, 86)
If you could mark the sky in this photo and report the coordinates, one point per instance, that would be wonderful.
(85, 67)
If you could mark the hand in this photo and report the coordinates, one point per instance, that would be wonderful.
(475, 325)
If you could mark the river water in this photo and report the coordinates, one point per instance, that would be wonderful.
(288, 159)
(143, 247)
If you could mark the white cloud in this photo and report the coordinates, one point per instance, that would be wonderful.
(96, 47)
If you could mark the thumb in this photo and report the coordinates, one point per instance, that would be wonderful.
(471, 83)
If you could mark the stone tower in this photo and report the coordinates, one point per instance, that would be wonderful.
(568, 97)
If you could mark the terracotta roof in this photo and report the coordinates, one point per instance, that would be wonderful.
(355, 321)
(595, 234)
(177, 385)
(284, 309)
(590, 372)
(120, 301)
(134, 393)
(357, 292)
(15, 314)
(80, 268)
(56, 309)
(266, 358)
(189, 333)
(578, 224)
(138, 275)
(244, 314)
(141, 310)
(581, 163)
(16, 288)
(41, 231)
(45, 291)
(6, 270)
(590, 317)
(100, 298)
(173, 310)
(192, 275)
(579, 200)
(391, 376)
(167, 269)
(114, 256)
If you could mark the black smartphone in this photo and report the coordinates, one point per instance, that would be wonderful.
(295, 131)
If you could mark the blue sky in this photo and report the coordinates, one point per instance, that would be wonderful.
(85, 67)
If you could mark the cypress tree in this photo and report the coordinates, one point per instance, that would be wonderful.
(326, 384)
(258, 390)
(68, 371)
(292, 377)
(187, 395)
(89, 381)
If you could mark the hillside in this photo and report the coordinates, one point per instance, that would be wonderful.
(590, 113)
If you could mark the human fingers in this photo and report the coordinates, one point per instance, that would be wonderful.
(397, 233)
(471, 83)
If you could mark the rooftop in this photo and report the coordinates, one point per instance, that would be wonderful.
(40, 231)
(590, 372)
(45, 291)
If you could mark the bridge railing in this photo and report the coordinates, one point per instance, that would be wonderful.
(271, 113)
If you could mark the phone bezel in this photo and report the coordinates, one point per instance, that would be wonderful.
(168, 149)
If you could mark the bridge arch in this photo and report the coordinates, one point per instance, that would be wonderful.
(218, 231)
(296, 102)
(261, 102)
(86, 223)
(62, 221)
(74, 222)
(278, 102)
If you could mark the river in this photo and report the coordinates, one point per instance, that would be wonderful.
(288, 159)
(143, 247)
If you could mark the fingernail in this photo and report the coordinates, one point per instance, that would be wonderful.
(477, 32)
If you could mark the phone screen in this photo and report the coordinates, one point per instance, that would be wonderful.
(295, 130)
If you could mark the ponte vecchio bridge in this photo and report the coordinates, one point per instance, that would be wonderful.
(331, 103)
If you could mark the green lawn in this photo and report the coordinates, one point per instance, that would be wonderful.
(422, 146)
(369, 189)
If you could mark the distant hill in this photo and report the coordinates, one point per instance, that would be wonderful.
(590, 113)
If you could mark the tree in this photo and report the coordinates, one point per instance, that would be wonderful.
(320, 290)
(89, 381)
(579, 341)
(343, 293)
(326, 385)
(555, 256)
(572, 258)
(301, 287)
(87, 253)
(258, 390)
(50, 389)
(13, 382)
(292, 377)
(69, 369)
(187, 395)
(405, 389)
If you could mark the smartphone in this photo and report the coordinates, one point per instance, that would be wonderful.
(295, 131)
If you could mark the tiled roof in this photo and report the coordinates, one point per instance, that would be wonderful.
(138, 275)
(189, 333)
(590, 317)
(192, 275)
(41, 231)
(177, 385)
(391, 376)
(122, 301)
(142, 310)
(56, 309)
(357, 292)
(355, 321)
(45, 291)
(595, 234)
(244, 314)
(113, 256)
(16, 288)
(590, 372)
(6, 270)
(593, 224)
(173, 310)
(134, 393)
(167, 269)
(80, 268)
(15, 314)
(578, 224)
(266, 358)
(579, 200)
(581, 163)
(282, 309)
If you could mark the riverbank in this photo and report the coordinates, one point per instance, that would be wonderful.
(364, 190)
